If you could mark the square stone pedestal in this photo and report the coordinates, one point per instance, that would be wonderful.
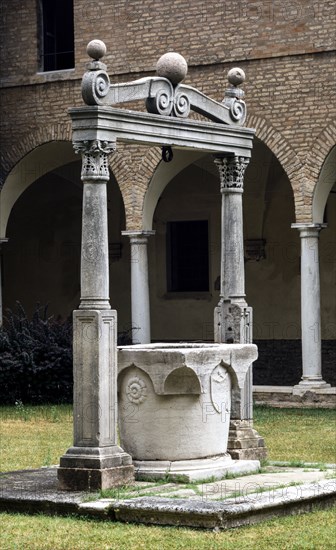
(94, 468)
(244, 442)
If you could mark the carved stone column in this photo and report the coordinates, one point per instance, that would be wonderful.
(95, 461)
(231, 171)
(140, 286)
(310, 309)
(233, 317)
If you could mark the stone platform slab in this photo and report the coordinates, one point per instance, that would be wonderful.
(224, 504)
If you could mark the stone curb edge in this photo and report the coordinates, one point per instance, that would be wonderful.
(233, 512)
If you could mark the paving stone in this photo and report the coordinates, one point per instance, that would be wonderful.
(36, 491)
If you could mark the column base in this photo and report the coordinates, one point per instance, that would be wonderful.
(195, 469)
(94, 468)
(244, 442)
(310, 384)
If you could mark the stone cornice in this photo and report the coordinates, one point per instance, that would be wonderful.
(112, 124)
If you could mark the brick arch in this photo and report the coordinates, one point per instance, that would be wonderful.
(21, 148)
(130, 164)
(274, 140)
(144, 165)
(277, 143)
(294, 168)
(133, 167)
(320, 149)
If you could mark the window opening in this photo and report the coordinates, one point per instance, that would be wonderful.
(187, 256)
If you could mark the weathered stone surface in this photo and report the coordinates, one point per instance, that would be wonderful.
(230, 513)
(173, 66)
(194, 470)
(244, 442)
(95, 457)
(90, 463)
(96, 49)
(95, 461)
(86, 479)
(95, 370)
(37, 491)
(180, 395)
(108, 123)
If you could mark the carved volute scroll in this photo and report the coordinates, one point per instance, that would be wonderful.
(163, 94)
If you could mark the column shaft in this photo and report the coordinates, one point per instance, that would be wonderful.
(140, 286)
(232, 250)
(310, 307)
(94, 252)
(232, 276)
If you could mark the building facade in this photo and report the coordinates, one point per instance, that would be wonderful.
(170, 212)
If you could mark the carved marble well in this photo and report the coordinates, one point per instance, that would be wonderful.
(175, 404)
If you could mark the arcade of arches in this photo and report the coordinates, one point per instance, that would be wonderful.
(40, 262)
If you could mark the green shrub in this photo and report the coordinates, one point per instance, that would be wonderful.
(35, 358)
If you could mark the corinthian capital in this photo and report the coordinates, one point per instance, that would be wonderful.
(94, 158)
(231, 171)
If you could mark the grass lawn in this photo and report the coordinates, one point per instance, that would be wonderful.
(314, 531)
(298, 434)
(36, 436)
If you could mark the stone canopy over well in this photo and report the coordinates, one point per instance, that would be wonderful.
(95, 459)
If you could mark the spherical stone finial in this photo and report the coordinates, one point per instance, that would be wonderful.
(172, 66)
(96, 49)
(236, 76)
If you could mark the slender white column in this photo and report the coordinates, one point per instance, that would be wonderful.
(140, 286)
(310, 307)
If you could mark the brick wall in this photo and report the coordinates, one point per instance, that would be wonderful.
(286, 49)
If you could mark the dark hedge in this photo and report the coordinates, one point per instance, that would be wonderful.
(35, 358)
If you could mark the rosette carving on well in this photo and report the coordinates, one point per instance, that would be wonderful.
(136, 390)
